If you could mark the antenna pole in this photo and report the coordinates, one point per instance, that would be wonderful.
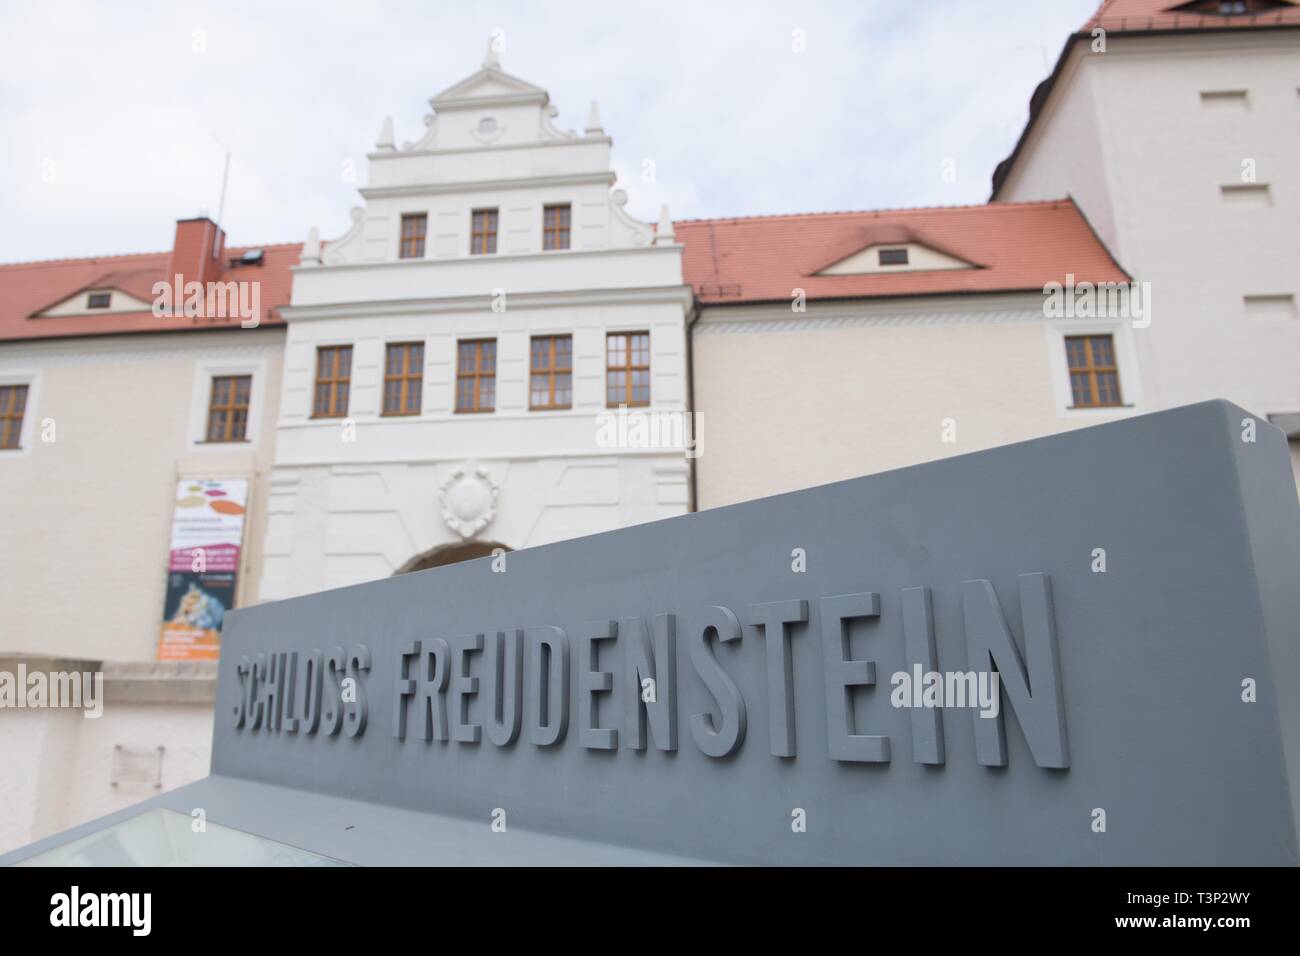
(221, 205)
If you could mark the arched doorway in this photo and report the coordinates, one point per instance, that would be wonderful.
(450, 554)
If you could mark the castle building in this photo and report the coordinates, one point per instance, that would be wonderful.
(850, 343)
(450, 361)
(1173, 126)
(496, 355)
(115, 402)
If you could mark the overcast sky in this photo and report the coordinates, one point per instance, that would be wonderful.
(116, 117)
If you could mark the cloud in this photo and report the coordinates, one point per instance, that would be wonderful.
(117, 118)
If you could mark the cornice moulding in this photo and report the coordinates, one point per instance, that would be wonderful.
(601, 177)
(733, 319)
(451, 104)
(475, 260)
(72, 350)
(674, 459)
(490, 148)
(474, 303)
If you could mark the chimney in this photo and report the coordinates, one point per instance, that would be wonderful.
(197, 251)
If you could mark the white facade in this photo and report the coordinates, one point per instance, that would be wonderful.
(363, 496)
(903, 381)
(63, 767)
(111, 424)
(1182, 151)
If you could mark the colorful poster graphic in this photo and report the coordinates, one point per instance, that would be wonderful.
(203, 570)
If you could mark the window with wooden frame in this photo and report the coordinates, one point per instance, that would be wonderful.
(415, 225)
(476, 375)
(551, 372)
(228, 408)
(483, 232)
(555, 226)
(13, 402)
(333, 381)
(627, 369)
(1094, 374)
(403, 378)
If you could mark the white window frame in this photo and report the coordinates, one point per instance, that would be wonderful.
(204, 373)
(309, 393)
(428, 236)
(397, 338)
(27, 434)
(1130, 385)
(491, 203)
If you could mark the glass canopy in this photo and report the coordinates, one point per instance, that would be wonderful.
(166, 838)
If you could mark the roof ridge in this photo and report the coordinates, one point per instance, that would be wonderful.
(87, 260)
(1183, 18)
(1064, 200)
(266, 245)
(109, 257)
(1096, 15)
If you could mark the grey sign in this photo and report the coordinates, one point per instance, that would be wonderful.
(1076, 650)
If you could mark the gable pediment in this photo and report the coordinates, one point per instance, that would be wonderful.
(85, 302)
(909, 255)
(490, 85)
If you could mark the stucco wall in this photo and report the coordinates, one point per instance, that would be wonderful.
(1148, 170)
(795, 401)
(86, 532)
(1070, 158)
(59, 765)
(88, 515)
(342, 512)
(354, 499)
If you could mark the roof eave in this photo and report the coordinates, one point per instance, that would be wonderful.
(1003, 169)
(859, 297)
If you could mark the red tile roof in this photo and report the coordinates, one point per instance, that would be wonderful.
(1014, 246)
(29, 288)
(1143, 15)
(1129, 17)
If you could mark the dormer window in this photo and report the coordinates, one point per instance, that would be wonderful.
(1228, 8)
(99, 300)
(894, 254)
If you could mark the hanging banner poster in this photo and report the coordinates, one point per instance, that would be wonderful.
(203, 569)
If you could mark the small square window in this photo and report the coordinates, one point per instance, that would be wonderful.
(333, 381)
(1094, 374)
(228, 408)
(555, 227)
(414, 228)
(551, 372)
(893, 257)
(476, 375)
(99, 300)
(483, 232)
(627, 369)
(13, 402)
(403, 378)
